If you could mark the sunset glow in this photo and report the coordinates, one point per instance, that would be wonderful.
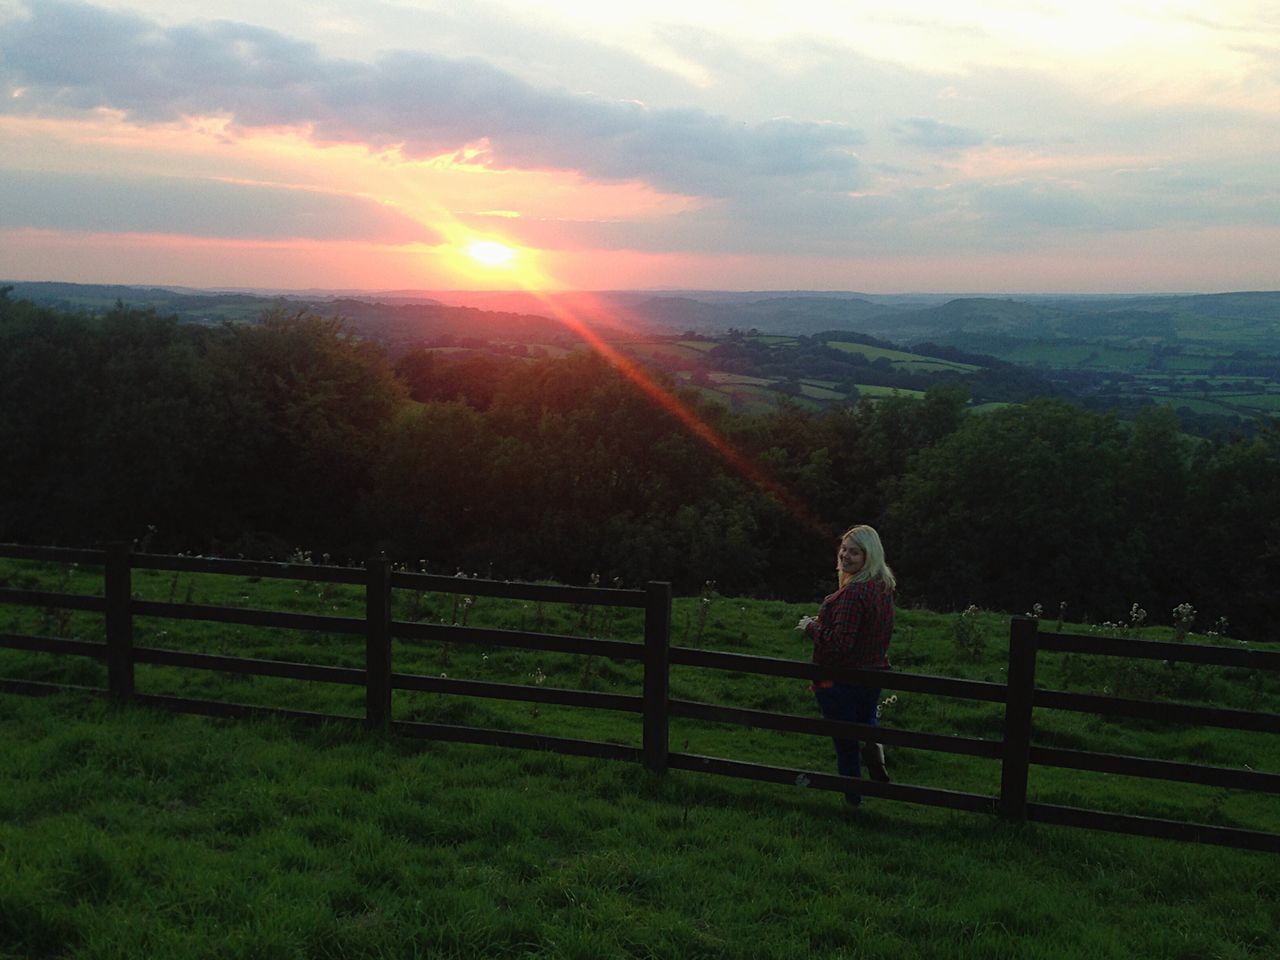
(490, 253)
(815, 146)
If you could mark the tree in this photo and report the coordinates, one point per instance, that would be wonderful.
(1016, 505)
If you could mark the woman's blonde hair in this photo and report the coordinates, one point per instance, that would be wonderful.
(874, 568)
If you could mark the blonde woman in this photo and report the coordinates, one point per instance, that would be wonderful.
(852, 629)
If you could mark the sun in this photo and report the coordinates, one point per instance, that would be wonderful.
(490, 253)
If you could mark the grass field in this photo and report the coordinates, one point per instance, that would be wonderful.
(1066, 355)
(128, 832)
(902, 359)
(875, 392)
(820, 391)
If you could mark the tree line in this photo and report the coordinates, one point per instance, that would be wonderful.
(293, 433)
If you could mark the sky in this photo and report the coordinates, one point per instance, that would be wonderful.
(1120, 146)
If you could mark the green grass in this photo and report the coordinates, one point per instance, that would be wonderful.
(680, 350)
(131, 832)
(1269, 402)
(1068, 355)
(901, 358)
(819, 391)
(874, 391)
(740, 379)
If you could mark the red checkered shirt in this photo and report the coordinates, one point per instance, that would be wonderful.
(853, 626)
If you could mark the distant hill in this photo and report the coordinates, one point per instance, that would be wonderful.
(978, 314)
(1232, 321)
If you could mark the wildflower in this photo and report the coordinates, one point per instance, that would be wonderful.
(1184, 615)
(1137, 615)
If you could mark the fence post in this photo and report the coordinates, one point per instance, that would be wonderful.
(657, 641)
(117, 593)
(1017, 717)
(378, 643)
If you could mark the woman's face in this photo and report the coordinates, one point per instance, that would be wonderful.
(851, 557)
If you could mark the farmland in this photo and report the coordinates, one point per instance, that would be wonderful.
(1215, 358)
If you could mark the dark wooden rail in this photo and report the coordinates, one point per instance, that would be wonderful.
(1020, 695)
(1025, 642)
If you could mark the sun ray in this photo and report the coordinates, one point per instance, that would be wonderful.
(566, 315)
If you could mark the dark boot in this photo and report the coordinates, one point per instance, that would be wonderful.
(873, 758)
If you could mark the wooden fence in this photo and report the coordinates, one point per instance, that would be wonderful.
(1020, 695)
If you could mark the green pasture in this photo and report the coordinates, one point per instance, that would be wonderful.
(1227, 330)
(1264, 402)
(873, 391)
(748, 397)
(988, 407)
(682, 350)
(739, 379)
(131, 832)
(1064, 356)
(818, 391)
(776, 340)
(900, 358)
(1223, 404)
(699, 346)
(1195, 363)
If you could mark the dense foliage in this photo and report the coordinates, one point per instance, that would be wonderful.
(293, 433)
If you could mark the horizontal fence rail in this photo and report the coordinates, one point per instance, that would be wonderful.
(250, 568)
(51, 600)
(945, 743)
(928, 796)
(1156, 769)
(1020, 696)
(889, 680)
(1153, 827)
(1026, 639)
(1159, 650)
(21, 551)
(1163, 712)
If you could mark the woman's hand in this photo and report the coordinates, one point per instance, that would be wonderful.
(804, 623)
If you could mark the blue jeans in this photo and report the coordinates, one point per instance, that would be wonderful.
(843, 701)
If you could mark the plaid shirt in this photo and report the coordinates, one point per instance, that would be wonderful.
(854, 626)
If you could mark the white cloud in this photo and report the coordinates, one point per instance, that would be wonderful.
(70, 58)
(202, 208)
(823, 129)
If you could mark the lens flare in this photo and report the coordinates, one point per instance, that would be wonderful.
(684, 413)
(525, 274)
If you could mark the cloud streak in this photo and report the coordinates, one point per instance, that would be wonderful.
(811, 140)
(199, 208)
(70, 58)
